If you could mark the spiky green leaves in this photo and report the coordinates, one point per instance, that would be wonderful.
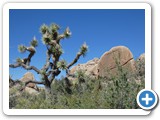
(84, 49)
(19, 60)
(44, 28)
(67, 32)
(57, 50)
(21, 48)
(51, 29)
(46, 40)
(42, 72)
(62, 64)
(80, 74)
(54, 27)
(34, 42)
(51, 33)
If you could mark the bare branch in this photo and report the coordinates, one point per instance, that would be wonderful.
(25, 67)
(36, 82)
(83, 51)
(13, 82)
(15, 65)
(30, 68)
(75, 60)
(32, 52)
(48, 64)
(62, 36)
(53, 73)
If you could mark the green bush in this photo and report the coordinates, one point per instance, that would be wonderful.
(115, 92)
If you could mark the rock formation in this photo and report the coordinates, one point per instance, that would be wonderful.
(140, 64)
(90, 67)
(117, 55)
(108, 62)
(29, 76)
(31, 88)
(142, 57)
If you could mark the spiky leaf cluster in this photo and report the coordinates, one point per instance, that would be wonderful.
(62, 64)
(44, 28)
(83, 49)
(57, 51)
(54, 27)
(21, 48)
(34, 42)
(43, 72)
(80, 74)
(19, 60)
(49, 33)
(67, 32)
(46, 39)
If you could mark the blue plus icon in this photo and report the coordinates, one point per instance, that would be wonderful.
(147, 99)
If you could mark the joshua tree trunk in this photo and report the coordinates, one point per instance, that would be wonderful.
(47, 91)
(47, 88)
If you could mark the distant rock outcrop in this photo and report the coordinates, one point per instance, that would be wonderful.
(142, 57)
(117, 55)
(90, 67)
(31, 88)
(27, 77)
(140, 64)
(108, 62)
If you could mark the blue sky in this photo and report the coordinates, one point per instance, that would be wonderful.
(100, 29)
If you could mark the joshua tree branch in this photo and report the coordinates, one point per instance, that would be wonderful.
(75, 60)
(47, 65)
(29, 58)
(32, 52)
(30, 68)
(25, 67)
(53, 73)
(51, 78)
(15, 65)
(13, 82)
(36, 82)
(62, 36)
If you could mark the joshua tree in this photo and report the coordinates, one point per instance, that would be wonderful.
(53, 65)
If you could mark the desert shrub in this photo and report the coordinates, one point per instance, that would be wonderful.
(121, 93)
(84, 92)
(12, 97)
(140, 67)
(124, 87)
